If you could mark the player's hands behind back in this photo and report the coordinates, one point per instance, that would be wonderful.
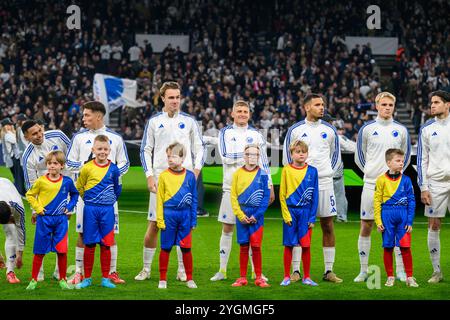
(408, 229)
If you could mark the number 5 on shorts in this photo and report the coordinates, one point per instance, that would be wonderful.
(332, 202)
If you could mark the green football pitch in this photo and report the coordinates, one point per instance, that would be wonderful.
(133, 207)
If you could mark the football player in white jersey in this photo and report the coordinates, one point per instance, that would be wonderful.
(433, 174)
(232, 141)
(80, 152)
(324, 154)
(12, 217)
(374, 138)
(40, 143)
(166, 127)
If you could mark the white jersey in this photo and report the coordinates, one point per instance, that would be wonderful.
(10, 195)
(433, 154)
(232, 141)
(161, 131)
(324, 151)
(80, 150)
(33, 158)
(374, 138)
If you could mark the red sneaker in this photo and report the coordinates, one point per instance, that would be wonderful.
(11, 277)
(240, 282)
(261, 283)
(114, 277)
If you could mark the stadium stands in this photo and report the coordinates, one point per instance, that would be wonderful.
(46, 70)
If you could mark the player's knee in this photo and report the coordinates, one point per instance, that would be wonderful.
(167, 250)
(153, 229)
(91, 245)
(227, 228)
(327, 227)
(80, 242)
(185, 250)
(435, 224)
(366, 228)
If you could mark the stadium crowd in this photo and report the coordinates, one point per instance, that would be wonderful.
(47, 70)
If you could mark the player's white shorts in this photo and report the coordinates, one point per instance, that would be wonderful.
(440, 201)
(366, 211)
(79, 211)
(152, 207)
(151, 215)
(327, 203)
(226, 214)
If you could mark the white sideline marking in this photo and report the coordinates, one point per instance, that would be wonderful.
(271, 218)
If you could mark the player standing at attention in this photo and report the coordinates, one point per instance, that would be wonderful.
(176, 212)
(394, 207)
(374, 138)
(99, 185)
(162, 130)
(232, 141)
(33, 160)
(79, 153)
(433, 173)
(12, 217)
(324, 154)
(48, 198)
(250, 193)
(299, 199)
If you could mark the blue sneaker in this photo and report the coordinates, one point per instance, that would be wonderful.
(309, 282)
(84, 284)
(286, 281)
(106, 282)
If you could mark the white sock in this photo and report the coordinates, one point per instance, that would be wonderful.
(364, 244)
(434, 247)
(296, 258)
(79, 255)
(328, 257)
(180, 260)
(225, 249)
(10, 247)
(149, 253)
(113, 266)
(398, 260)
(56, 266)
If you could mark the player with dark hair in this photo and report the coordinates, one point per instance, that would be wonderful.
(324, 154)
(433, 174)
(79, 153)
(100, 187)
